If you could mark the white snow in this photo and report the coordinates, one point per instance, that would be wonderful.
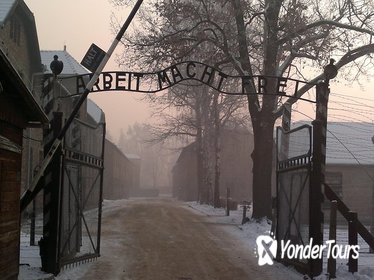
(30, 263)
(30, 260)
(244, 234)
(248, 233)
(76, 272)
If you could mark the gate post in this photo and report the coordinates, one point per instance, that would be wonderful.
(51, 206)
(318, 174)
(101, 191)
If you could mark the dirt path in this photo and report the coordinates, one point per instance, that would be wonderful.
(161, 240)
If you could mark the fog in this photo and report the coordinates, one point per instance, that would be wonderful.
(76, 25)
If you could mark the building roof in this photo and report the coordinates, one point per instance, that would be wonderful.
(132, 156)
(6, 7)
(109, 142)
(71, 66)
(95, 112)
(349, 142)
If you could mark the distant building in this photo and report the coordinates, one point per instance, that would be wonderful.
(185, 184)
(350, 165)
(121, 173)
(350, 168)
(134, 171)
(236, 168)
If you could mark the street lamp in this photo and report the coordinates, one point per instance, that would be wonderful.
(330, 71)
(56, 66)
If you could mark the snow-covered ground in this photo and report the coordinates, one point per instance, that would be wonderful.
(30, 263)
(248, 233)
(245, 234)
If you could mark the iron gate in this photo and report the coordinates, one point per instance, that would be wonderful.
(81, 193)
(294, 153)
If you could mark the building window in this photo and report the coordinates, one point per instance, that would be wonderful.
(15, 31)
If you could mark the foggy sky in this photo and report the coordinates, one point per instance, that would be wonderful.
(77, 24)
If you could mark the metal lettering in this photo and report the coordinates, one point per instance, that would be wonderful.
(138, 76)
(188, 68)
(176, 73)
(223, 76)
(209, 74)
(90, 56)
(262, 82)
(281, 85)
(163, 78)
(107, 81)
(120, 79)
(160, 80)
(96, 85)
(246, 81)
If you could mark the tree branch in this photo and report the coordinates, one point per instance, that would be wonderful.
(346, 59)
(322, 23)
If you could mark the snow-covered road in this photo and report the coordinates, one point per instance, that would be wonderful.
(162, 239)
(165, 239)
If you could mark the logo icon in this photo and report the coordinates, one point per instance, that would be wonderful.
(267, 249)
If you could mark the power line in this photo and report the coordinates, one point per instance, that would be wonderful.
(349, 151)
(344, 95)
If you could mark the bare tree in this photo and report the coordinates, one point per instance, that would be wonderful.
(198, 113)
(266, 37)
(156, 158)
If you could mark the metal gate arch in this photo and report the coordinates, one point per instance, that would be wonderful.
(293, 170)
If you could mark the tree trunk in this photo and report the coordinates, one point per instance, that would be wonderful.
(262, 157)
(217, 152)
(207, 152)
(263, 126)
(203, 170)
(207, 174)
(199, 153)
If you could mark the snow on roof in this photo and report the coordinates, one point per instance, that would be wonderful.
(354, 136)
(132, 156)
(94, 111)
(5, 7)
(348, 141)
(71, 66)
